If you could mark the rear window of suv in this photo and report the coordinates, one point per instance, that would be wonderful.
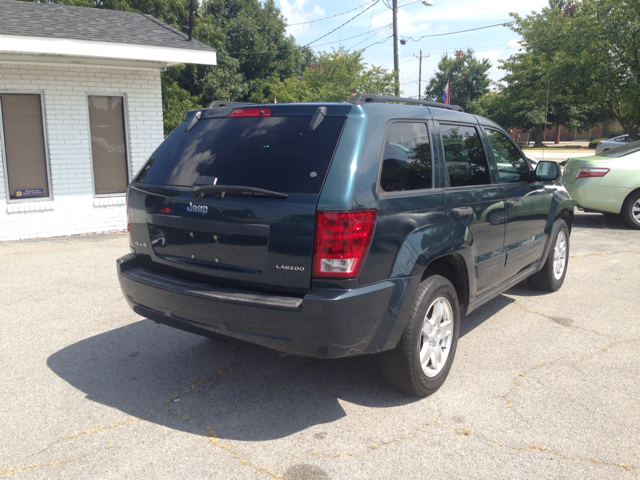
(273, 153)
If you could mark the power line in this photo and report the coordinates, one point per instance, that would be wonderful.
(355, 36)
(366, 40)
(327, 18)
(370, 22)
(322, 44)
(460, 31)
(377, 43)
(350, 20)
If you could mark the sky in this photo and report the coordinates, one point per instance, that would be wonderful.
(372, 30)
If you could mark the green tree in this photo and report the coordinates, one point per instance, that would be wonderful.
(528, 100)
(333, 77)
(255, 36)
(468, 79)
(589, 53)
(175, 101)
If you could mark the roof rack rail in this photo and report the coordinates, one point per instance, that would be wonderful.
(222, 103)
(359, 98)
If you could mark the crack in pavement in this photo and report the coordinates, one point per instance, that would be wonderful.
(469, 433)
(542, 448)
(11, 470)
(562, 321)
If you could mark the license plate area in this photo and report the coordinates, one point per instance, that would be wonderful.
(210, 242)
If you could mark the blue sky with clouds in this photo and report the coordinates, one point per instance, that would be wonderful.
(414, 20)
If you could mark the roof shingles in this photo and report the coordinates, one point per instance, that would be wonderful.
(79, 23)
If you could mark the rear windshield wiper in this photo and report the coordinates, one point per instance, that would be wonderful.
(201, 191)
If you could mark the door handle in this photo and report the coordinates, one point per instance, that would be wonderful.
(513, 203)
(461, 212)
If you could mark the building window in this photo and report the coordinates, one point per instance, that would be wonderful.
(24, 145)
(108, 144)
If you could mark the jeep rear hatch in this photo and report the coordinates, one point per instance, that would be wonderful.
(230, 196)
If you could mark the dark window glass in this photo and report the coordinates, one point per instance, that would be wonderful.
(108, 144)
(406, 161)
(511, 166)
(24, 145)
(464, 155)
(274, 153)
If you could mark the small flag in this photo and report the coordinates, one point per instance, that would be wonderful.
(275, 99)
(445, 94)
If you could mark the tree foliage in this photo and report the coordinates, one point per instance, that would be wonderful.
(251, 41)
(588, 52)
(468, 79)
(333, 77)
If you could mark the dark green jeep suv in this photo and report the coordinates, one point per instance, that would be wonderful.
(336, 229)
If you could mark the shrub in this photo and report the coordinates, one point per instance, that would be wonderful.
(594, 143)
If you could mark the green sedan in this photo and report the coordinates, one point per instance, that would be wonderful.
(607, 183)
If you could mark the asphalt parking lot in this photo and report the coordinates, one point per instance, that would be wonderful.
(543, 385)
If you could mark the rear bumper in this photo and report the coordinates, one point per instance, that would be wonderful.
(589, 194)
(326, 323)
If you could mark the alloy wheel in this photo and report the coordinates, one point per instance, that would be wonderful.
(437, 335)
(560, 255)
(635, 210)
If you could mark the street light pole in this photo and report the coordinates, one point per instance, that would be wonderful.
(396, 46)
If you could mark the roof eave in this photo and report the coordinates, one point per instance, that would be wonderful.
(165, 56)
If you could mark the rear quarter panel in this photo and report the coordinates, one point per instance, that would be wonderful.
(410, 227)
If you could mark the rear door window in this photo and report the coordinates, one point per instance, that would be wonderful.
(406, 160)
(464, 156)
(273, 153)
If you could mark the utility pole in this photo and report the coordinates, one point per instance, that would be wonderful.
(190, 19)
(420, 57)
(396, 46)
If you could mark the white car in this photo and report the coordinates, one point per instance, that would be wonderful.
(605, 145)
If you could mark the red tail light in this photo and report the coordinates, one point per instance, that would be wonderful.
(126, 203)
(600, 142)
(591, 172)
(250, 112)
(341, 243)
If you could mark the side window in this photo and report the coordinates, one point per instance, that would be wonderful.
(406, 161)
(511, 166)
(465, 158)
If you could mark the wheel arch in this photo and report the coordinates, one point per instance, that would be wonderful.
(453, 267)
(566, 214)
(632, 192)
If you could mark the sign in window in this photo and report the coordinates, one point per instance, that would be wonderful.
(24, 145)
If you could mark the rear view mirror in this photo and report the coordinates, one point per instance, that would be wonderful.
(546, 171)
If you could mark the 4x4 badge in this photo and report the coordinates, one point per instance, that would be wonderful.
(197, 208)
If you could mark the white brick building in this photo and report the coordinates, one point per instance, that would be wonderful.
(79, 113)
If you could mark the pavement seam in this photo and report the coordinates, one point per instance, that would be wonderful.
(600, 254)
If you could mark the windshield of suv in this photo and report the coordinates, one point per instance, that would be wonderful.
(272, 153)
(622, 150)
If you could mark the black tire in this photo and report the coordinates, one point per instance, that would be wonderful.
(401, 366)
(630, 204)
(547, 278)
